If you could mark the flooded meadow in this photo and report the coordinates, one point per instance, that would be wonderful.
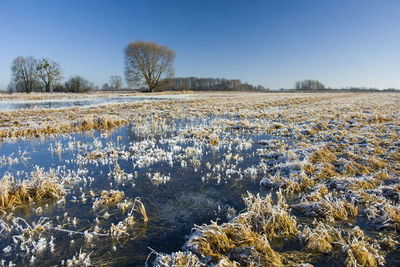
(217, 179)
(89, 100)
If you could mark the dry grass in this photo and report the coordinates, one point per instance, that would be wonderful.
(39, 186)
(177, 259)
(364, 184)
(322, 238)
(376, 163)
(327, 171)
(360, 251)
(228, 241)
(121, 229)
(306, 182)
(318, 193)
(385, 215)
(357, 248)
(323, 155)
(245, 239)
(139, 208)
(265, 218)
(308, 168)
(111, 197)
(214, 140)
(329, 208)
(59, 124)
(354, 168)
(358, 255)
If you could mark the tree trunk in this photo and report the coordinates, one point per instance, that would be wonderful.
(151, 88)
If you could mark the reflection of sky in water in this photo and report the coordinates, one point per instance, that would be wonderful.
(65, 103)
(173, 208)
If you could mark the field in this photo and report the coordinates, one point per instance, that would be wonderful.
(226, 179)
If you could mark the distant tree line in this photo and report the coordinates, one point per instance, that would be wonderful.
(315, 85)
(210, 84)
(309, 85)
(45, 75)
(148, 67)
(366, 89)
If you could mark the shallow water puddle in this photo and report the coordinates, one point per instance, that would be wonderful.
(180, 178)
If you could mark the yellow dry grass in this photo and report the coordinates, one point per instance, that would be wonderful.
(263, 217)
(139, 207)
(308, 168)
(219, 241)
(323, 155)
(360, 251)
(329, 208)
(246, 234)
(357, 248)
(111, 197)
(306, 182)
(321, 238)
(319, 192)
(385, 215)
(354, 168)
(177, 259)
(39, 186)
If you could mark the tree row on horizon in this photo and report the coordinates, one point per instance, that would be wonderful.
(148, 67)
(45, 75)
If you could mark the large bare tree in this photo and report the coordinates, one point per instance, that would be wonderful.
(49, 73)
(148, 64)
(24, 72)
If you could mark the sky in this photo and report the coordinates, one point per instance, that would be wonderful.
(272, 43)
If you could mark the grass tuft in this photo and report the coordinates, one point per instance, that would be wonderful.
(39, 186)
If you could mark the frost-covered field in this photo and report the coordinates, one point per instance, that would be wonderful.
(235, 179)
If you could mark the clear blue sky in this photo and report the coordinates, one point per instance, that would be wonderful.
(272, 43)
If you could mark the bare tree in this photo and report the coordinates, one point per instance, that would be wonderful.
(147, 63)
(49, 73)
(13, 87)
(78, 84)
(24, 72)
(116, 82)
(105, 87)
